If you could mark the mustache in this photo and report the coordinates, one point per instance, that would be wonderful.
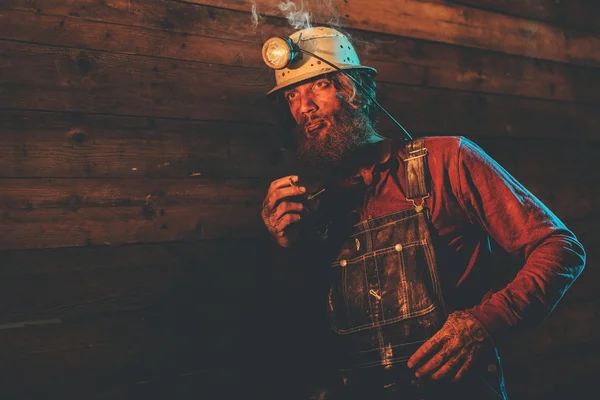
(311, 119)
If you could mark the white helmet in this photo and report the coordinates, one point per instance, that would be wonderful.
(293, 65)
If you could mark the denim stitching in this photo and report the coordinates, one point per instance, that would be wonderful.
(427, 310)
(403, 284)
(344, 290)
(394, 222)
(393, 347)
(379, 252)
(379, 285)
(368, 297)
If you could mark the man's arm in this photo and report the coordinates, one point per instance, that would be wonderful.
(522, 225)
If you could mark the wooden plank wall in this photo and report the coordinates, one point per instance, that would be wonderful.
(136, 146)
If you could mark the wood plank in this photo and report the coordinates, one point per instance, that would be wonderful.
(50, 78)
(75, 350)
(70, 31)
(572, 374)
(73, 194)
(46, 144)
(89, 355)
(444, 112)
(104, 280)
(569, 325)
(447, 23)
(476, 70)
(49, 228)
(19, 263)
(579, 14)
(227, 382)
(208, 296)
(163, 15)
(78, 80)
(61, 296)
(533, 160)
(397, 60)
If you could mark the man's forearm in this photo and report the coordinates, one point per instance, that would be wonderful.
(534, 292)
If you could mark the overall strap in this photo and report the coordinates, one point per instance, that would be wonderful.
(417, 179)
(417, 190)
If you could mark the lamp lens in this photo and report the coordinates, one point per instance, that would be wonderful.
(276, 53)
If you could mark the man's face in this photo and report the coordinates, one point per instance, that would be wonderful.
(328, 128)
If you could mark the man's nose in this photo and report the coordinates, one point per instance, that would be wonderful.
(308, 106)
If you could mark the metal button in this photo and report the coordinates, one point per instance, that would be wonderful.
(343, 263)
(492, 368)
(398, 247)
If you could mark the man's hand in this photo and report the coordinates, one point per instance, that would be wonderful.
(453, 350)
(279, 212)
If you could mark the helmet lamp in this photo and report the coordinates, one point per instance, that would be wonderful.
(278, 52)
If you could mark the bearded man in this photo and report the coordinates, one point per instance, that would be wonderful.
(402, 234)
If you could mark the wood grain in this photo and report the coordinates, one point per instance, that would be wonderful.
(447, 112)
(50, 78)
(20, 263)
(87, 357)
(579, 14)
(74, 194)
(397, 59)
(48, 228)
(449, 23)
(571, 373)
(48, 144)
(77, 80)
(71, 283)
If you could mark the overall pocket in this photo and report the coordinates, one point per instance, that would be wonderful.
(348, 297)
(407, 285)
(381, 287)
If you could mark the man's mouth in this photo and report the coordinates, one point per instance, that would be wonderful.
(314, 127)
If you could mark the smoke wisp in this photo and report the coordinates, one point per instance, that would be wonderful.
(297, 18)
(300, 14)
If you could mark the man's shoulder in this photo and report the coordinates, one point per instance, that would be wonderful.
(449, 149)
(443, 146)
(443, 142)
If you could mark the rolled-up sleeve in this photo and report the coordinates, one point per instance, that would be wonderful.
(523, 226)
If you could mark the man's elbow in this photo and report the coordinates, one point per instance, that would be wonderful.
(575, 255)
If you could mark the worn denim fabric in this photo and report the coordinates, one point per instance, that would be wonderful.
(385, 301)
(385, 297)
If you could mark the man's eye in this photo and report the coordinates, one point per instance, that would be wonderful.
(321, 84)
(290, 96)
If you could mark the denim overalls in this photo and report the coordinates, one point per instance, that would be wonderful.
(386, 300)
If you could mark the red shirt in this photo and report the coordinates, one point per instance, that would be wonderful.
(472, 200)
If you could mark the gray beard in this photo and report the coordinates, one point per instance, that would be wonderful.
(349, 129)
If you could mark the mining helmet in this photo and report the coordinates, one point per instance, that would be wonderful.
(300, 56)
